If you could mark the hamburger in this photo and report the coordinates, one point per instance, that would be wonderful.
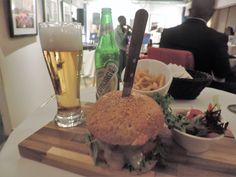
(125, 130)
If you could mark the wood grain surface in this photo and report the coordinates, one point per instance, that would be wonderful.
(66, 148)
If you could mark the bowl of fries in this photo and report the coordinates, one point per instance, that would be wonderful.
(151, 76)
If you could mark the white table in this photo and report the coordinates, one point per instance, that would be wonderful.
(13, 165)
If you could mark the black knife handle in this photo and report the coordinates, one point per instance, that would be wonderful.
(139, 26)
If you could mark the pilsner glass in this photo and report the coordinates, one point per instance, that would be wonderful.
(62, 48)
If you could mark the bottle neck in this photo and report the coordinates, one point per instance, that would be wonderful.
(106, 23)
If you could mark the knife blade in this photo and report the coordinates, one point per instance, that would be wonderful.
(139, 26)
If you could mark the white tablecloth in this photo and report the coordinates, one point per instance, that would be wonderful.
(13, 165)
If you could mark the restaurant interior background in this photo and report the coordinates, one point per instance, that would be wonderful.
(24, 80)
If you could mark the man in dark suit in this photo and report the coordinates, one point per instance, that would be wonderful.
(208, 46)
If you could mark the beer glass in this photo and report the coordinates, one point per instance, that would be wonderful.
(62, 48)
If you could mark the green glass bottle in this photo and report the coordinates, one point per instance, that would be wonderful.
(106, 56)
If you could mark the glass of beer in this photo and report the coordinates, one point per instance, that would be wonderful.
(62, 48)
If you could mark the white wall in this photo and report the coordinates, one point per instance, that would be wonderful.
(167, 15)
(225, 3)
(26, 82)
(158, 11)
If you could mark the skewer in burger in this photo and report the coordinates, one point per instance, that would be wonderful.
(125, 130)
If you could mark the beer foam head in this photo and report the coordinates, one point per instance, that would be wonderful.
(61, 36)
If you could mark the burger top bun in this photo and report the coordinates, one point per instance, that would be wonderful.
(131, 120)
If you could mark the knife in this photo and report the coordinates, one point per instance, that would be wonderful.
(139, 26)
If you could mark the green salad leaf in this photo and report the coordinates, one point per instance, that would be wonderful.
(164, 102)
(199, 124)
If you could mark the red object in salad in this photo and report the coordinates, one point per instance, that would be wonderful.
(193, 112)
(203, 124)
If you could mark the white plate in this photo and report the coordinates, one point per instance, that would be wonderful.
(193, 144)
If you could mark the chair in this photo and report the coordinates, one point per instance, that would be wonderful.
(186, 59)
(166, 55)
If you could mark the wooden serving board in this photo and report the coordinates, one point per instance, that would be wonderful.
(66, 148)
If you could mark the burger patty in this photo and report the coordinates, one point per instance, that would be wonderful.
(138, 158)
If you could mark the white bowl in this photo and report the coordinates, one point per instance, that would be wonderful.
(194, 144)
(154, 67)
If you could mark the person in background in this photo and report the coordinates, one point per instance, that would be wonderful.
(208, 46)
(122, 33)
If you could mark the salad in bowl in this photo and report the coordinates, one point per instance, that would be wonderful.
(194, 129)
(200, 123)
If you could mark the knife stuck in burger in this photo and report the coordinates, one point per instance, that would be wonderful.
(124, 126)
(125, 131)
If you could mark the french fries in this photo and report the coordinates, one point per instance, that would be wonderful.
(147, 82)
